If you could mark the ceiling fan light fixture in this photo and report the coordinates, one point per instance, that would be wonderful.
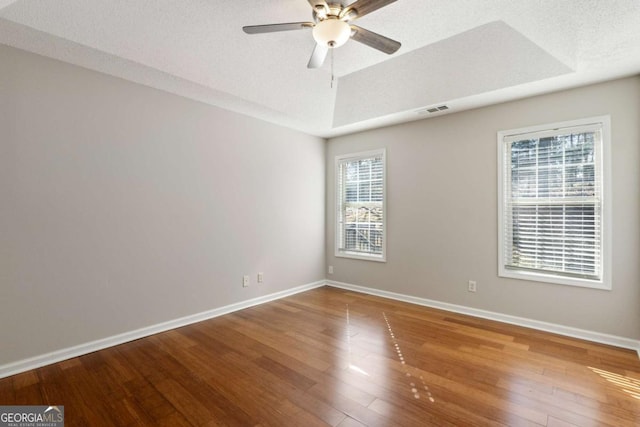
(331, 32)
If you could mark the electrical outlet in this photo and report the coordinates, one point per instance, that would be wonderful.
(245, 281)
(473, 286)
(331, 269)
(260, 277)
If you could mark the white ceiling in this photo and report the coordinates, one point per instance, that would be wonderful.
(462, 53)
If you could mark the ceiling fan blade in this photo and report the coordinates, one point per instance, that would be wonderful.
(272, 28)
(318, 56)
(364, 7)
(375, 40)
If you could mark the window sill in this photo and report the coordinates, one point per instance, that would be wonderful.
(354, 255)
(554, 279)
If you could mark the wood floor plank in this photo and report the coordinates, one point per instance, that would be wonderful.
(330, 357)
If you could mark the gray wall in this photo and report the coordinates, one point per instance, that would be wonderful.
(442, 211)
(122, 206)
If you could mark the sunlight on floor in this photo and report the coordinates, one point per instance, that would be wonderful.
(417, 386)
(629, 385)
(405, 368)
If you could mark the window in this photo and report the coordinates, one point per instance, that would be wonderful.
(360, 216)
(554, 209)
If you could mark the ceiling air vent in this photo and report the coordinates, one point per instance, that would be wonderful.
(432, 110)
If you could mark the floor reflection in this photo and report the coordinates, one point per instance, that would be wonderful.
(368, 356)
(350, 356)
(406, 369)
(629, 385)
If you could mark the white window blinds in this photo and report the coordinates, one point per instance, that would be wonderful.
(552, 202)
(360, 216)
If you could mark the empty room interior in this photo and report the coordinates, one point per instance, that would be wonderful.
(342, 213)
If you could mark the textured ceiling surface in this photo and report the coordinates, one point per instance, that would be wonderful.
(462, 53)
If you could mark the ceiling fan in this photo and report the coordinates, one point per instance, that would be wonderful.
(332, 27)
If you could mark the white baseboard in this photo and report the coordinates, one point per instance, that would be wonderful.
(82, 349)
(86, 348)
(569, 331)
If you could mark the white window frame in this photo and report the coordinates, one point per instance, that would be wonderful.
(604, 122)
(339, 204)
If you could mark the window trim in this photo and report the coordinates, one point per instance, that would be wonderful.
(606, 220)
(337, 236)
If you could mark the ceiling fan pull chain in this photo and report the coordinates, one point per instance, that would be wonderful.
(332, 77)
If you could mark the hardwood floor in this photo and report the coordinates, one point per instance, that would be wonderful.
(339, 358)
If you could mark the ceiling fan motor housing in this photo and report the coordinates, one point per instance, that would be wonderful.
(322, 11)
